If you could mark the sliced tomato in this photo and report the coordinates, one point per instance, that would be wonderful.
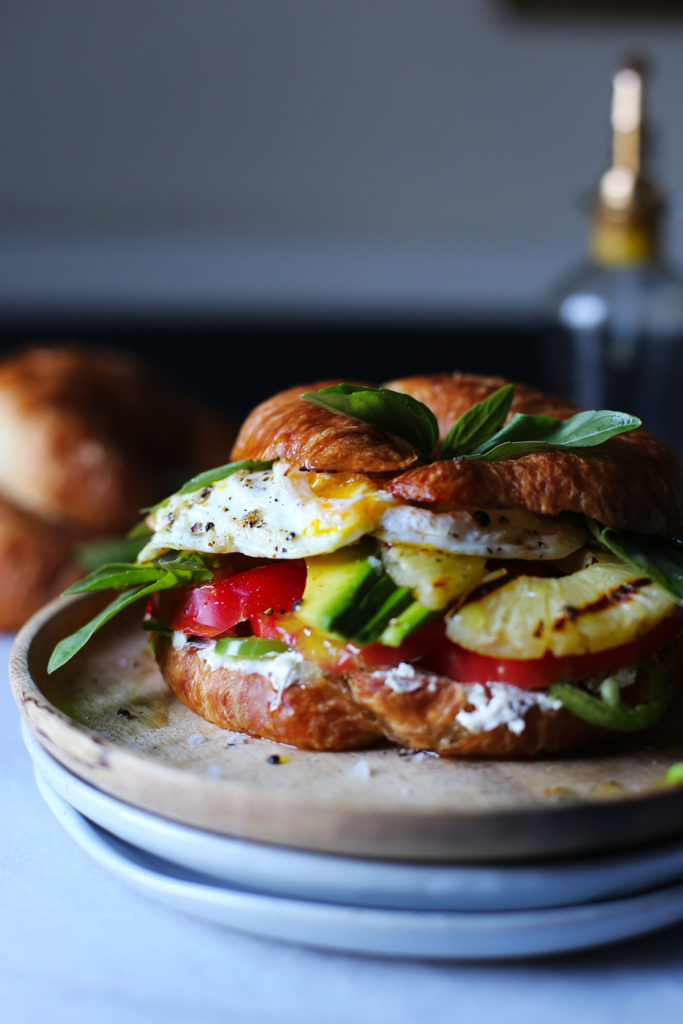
(446, 658)
(211, 609)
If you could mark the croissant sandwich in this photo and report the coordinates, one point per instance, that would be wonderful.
(450, 563)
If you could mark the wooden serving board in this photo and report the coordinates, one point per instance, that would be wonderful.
(109, 717)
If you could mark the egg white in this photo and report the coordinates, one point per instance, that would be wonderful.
(496, 533)
(277, 513)
(285, 512)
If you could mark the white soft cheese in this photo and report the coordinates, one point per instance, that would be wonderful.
(495, 704)
(282, 671)
(403, 678)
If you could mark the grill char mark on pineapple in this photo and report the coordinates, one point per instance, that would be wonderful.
(623, 592)
(484, 589)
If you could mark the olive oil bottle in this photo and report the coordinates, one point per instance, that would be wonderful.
(620, 343)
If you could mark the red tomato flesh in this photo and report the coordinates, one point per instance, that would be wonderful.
(432, 650)
(465, 666)
(265, 596)
(211, 609)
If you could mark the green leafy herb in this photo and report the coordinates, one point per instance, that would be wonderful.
(657, 557)
(135, 581)
(114, 549)
(210, 477)
(186, 567)
(524, 434)
(673, 776)
(477, 424)
(608, 710)
(480, 433)
(250, 647)
(69, 646)
(394, 413)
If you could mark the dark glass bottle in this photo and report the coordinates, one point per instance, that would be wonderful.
(620, 343)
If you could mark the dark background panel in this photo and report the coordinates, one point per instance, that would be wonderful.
(235, 364)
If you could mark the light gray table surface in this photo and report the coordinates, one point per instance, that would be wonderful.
(77, 944)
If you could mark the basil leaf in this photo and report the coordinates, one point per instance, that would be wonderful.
(477, 424)
(524, 434)
(657, 557)
(207, 478)
(608, 710)
(394, 413)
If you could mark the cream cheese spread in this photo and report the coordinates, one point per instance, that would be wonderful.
(282, 671)
(497, 704)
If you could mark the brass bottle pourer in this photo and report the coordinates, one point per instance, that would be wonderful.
(627, 211)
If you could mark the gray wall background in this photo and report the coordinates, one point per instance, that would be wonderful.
(307, 147)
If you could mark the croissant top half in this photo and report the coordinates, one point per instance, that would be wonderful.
(632, 481)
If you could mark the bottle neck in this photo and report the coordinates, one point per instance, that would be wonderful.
(627, 214)
(630, 243)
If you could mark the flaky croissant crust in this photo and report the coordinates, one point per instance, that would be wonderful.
(633, 481)
(355, 710)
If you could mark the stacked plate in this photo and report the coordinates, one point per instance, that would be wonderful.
(383, 851)
(370, 906)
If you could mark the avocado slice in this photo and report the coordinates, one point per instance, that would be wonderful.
(391, 608)
(335, 584)
(349, 595)
(411, 618)
(354, 622)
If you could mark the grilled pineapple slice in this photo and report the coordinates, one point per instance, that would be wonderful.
(601, 605)
(436, 578)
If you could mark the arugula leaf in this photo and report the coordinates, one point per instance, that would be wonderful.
(70, 645)
(608, 710)
(135, 581)
(206, 479)
(390, 411)
(119, 575)
(475, 426)
(525, 434)
(657, 557)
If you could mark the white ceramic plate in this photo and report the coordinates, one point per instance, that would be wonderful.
(400, 933)
(362, 882)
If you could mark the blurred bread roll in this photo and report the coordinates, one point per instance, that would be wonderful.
(87, 439)
(37, 561)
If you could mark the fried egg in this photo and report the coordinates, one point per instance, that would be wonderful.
(282, 512)
(497, 533)
(285, 512)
